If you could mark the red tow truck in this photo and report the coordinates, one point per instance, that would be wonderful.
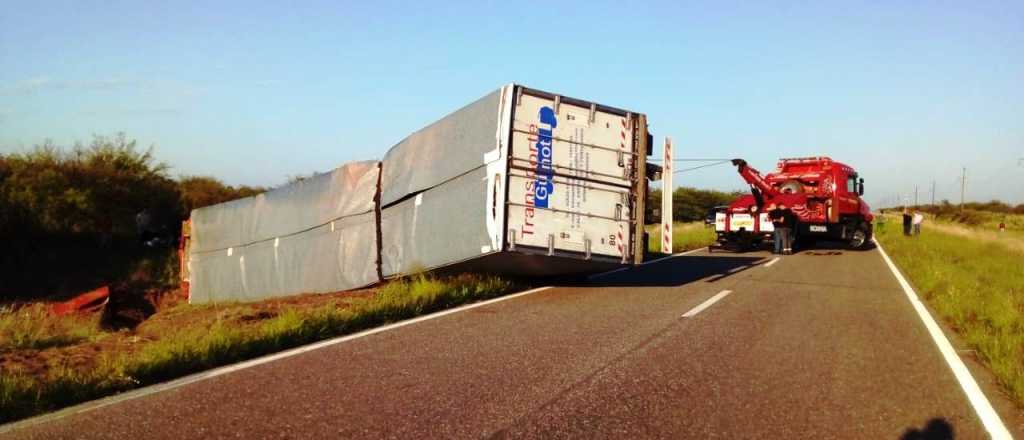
(824, 196)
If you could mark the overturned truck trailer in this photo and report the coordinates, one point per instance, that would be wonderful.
(520, 182)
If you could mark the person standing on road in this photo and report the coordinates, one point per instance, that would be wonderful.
(1002, 227)
(789, 220)
(775, 216)
(782, 220)
(906, 221)
(918, 219)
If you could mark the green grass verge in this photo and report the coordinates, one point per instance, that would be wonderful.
(685, 236)
(32, 327)
(977, 287)
(190, 350)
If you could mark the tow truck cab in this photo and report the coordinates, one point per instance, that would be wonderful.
(824, 195)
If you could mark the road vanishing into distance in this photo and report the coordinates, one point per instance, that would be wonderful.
(822, 344)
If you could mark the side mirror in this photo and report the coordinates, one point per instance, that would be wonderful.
(860, 188)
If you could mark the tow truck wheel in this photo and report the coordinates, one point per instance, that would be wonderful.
(858, 238)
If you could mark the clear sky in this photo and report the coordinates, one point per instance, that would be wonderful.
(251, 92)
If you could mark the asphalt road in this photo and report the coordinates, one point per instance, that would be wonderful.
(822, 344)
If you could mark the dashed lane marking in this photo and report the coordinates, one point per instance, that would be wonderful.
(694, 311)
(178, 383)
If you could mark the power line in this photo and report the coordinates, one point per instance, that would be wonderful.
(702, 166)
(687, 159)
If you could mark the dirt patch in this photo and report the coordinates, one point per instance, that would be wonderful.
(138, 317)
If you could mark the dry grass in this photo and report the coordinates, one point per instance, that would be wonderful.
(976, 284)
(1010, 240)
(32, 327)
(685, 236)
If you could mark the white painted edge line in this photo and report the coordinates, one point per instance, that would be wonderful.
(197, 377)
(770, 263)
(694, 311)
(656, 260)
(993, 424)
(599, 275)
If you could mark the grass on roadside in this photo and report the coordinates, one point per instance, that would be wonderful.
(977, 287)
(224, 341)
(685, 236)
(32, 327)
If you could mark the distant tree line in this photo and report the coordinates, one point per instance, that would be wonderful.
(973, 213)
(690, 204)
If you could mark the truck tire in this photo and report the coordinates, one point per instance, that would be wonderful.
(860, 237)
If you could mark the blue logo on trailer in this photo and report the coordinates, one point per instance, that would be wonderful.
(545, 171)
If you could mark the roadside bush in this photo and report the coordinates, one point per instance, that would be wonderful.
(692, 204)
(67, 215)
(61, 193)
(199, 191)
(986, 215)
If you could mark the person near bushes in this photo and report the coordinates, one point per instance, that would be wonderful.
(918, 219)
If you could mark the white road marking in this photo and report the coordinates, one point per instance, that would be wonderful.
(770, 263)
(177, 383)
(691, 251)
(993, 424)
(599, 275)
(656, 260)
(694, 311)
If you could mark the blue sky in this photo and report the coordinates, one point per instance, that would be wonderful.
(251, 93)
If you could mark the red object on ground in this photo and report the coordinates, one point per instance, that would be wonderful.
(88, 301)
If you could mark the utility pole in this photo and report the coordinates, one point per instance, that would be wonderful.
(963, 188)
(933, 193)
(915, 195)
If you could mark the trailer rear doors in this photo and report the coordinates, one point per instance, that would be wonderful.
(572, 177)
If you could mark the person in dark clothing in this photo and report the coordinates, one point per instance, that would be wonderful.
(791, 221)
(775, 216)
(907, 221)
(783, 222)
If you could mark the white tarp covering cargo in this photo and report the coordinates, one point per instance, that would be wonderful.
(518, 171)
(317, 235)
(518, 182)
